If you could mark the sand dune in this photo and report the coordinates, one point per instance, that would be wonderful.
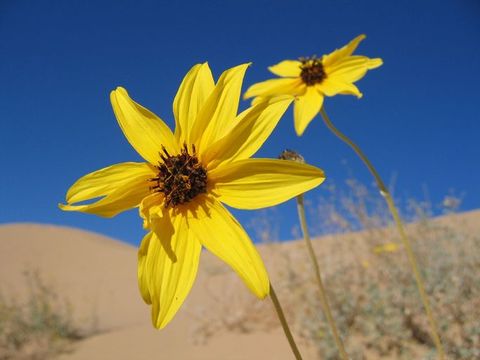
(98, 275)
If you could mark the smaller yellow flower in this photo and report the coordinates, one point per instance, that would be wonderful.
(388, 247)
(310, 79)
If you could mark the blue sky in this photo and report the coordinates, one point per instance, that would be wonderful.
(419, 117)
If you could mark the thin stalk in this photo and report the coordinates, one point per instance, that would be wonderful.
(323, 294)
(283, 321)
(403, 235)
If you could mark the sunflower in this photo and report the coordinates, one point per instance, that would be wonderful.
(187, 176)
(308, 80)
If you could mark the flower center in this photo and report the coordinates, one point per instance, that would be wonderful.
(312, 71)
(180, 177)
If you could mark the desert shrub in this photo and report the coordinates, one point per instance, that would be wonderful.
(373, 295)
(369, 282)
(39, 325)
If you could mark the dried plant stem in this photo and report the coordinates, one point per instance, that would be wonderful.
(316, 266)
(283, 321)
(396, 217)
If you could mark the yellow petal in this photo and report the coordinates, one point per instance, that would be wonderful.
(332, 87)
(122, 199)
(168, 273)
(151, 207)
(222, 235)
(352, 68)
(305, 109)
(220, 109)
(274, 87)
(249, 133)
(145, 131)
(259, 183)
(287, 68)
(343, 52)
(353, 62)
(142, 272)
(374, 63)
(104, 181)
(258, 100)
(194, 90)
(121, 186)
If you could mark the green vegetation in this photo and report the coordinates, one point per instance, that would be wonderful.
(38, 326)
(370, 286)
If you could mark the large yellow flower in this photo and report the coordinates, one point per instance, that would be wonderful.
(310, 79)
(187, 177)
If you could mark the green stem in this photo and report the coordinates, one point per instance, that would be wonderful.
(323, 294)
(396, 217)
(283, 321)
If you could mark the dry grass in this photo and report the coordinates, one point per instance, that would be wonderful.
(40, 325)
(370, 285)
(373, 294)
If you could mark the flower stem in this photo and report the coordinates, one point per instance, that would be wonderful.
(283, 321)
(323, 294)
(396, 217)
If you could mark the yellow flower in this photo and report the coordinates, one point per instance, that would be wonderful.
(388, 247)
(310, 79)
(187, 177)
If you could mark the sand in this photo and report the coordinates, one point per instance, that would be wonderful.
(98, 276)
